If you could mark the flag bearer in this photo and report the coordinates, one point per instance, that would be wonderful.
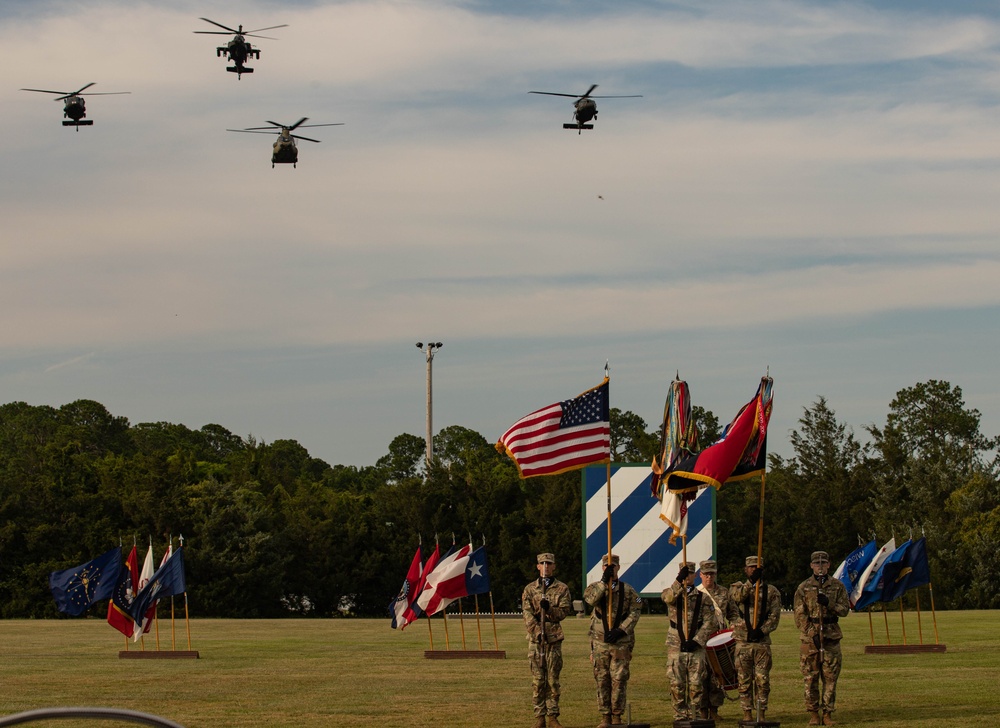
(545, 603)
(691, 623)
(612, 639)
(820, 602)
(753, 641)
(713, 696)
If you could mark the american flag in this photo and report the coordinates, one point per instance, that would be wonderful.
(564, 436)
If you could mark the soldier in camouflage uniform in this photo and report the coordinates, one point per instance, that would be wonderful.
(753, 643)
(713, 696)
(611, 641)
(691, 622)
(820, 602)
(545, 603)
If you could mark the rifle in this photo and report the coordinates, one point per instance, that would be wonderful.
(819, 612)
(545, 639)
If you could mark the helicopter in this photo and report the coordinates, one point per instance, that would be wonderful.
(586, 107)
(238, 50)
(75, 107)
(285, 150)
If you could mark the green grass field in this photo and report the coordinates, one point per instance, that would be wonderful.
(361, 673)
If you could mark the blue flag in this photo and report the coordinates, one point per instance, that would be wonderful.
(876, 584)
(477, 573)
(167, 581)
(855, 564)
(76, 589)
(908, 573)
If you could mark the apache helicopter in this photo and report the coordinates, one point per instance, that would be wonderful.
(75, 107)
(238, 50)
(285, 150)
(586, 107)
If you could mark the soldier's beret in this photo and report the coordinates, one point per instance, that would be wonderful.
(614, 560)
(709, 567)
(543, 558)
(751, 561)
(820, 557)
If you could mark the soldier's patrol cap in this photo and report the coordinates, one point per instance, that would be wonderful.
(689, 564)
(614, 560)
(820, 557)
(709, 567)
(751, 561)
(546, 558)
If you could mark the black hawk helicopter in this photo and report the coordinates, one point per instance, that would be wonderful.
(585, 107)
(284, 150)
(238, 50)
(75, 107)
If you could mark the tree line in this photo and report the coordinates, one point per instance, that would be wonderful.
(271, 531)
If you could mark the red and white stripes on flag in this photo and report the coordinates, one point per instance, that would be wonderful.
(564, 436)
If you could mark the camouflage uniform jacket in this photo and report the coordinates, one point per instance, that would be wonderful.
(742, 595)
(808, 609)
(626, 606)
(560, 606)
(700, 621)
(720, 604)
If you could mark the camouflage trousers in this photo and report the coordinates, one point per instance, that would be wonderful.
(611, 673)
(813, 672)
(686, 671)
(712, 695)
(753, 670)
(545, 677)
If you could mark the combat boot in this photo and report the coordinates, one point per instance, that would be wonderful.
(554, 722)
(748, 716)
(605, 721)
(828, 719)
(616, 720)
(714, 714)
(814, 718)
(539, 722)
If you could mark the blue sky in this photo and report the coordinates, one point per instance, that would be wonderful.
(809, 187)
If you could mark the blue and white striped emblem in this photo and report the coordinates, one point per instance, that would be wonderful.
(642, 541)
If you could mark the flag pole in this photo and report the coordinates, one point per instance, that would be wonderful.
(461, 622)
(479, 626)
(871, 625)
(760, 552)
(187, 620)
(937, 639)
(493, 616)
(902, 621)
(447, 637)
(885, 616)
(607, 375)
(430, 632)
(684, 558)
(920, 627)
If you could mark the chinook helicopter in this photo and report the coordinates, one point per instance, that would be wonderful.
(238, 50)
(75, 107)
(585, 107)
(284, 151)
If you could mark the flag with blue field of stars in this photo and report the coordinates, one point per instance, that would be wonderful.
(564, 436)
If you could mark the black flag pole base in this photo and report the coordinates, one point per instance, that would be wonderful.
(694, 723)
(465, 654)
(158, 655)
(759, 724)
(903, 649)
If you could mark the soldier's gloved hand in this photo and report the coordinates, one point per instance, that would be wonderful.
(609, 573)
(683, 574)
(755, 634)
(823, 599)
(756, 574)
(615, 634)
(544, 604)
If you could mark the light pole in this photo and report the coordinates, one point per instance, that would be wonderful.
(429, 351)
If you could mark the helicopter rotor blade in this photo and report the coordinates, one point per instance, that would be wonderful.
(265, 37)
(105, 93)
(77, 93)
(633, 96)
(270, 27)
(252, 131)
(210, 32)
(43, 91)
(274, 123)
(589, 91)
(309, 126)
(305, 139)
(551, 93)
(298, 123)
(220, 25)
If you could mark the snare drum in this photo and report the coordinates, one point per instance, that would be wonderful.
(721, 652)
